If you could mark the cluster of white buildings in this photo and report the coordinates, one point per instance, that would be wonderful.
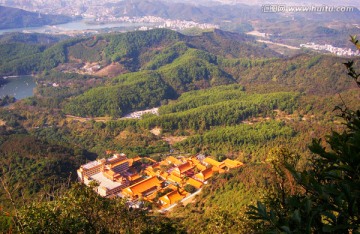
(183, 24)
(111, 174)
(332, 49)
(91, 68)
(138, 114)
(157, 21)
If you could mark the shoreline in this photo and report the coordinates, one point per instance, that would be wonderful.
(16, 76)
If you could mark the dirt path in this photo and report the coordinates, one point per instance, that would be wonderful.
(174, 139)
(83, 119)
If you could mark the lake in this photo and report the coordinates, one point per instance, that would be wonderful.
(78, 25)
(19, 87)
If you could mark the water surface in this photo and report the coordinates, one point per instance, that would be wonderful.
(78, 25)
(19, 87)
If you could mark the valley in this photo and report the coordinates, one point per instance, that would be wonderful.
(155, 94)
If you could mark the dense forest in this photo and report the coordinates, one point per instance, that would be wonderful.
(160, 65)
(219, 94)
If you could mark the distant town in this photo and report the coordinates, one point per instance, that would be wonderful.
(346, 52)
(161, 22)
(143, 180)
(91, 26)
(332, 49)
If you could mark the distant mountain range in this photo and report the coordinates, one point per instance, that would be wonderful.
(17, 18)
(215, 13)
(294, 2)
(33, 3)
(185, 11)
(293, 28)
(221, 11)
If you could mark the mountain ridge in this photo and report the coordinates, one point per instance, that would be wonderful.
(17, 18)
(160, 64)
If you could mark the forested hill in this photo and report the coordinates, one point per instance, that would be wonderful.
(31, 38)
(147, 68)
(132, 50)
(17, 18)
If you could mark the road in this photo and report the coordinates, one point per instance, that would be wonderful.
(279, 44)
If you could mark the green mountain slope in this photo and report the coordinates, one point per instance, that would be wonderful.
(31, 38)
(227, 105)
(308, 73)
(132, 50)
(231, 45)
(141, 90)
(178, 64)
(162, 64)
(29, 165)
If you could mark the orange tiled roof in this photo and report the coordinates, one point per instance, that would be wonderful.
(164, 175)
(150, 159)
(174, 178)
(171, 186)
(112, 165)
(116, 158)
(112, 175)
(137, 158)
(197, 184)
(213, 162)
(232, 163)
(173, 160)
(150, 171)
(200, 167)
(216, 169)
(142, 186)
(134, 177)
(132, 160)
(194, 160)
(185, 167)
(171, 198)
(150, 197)
(174, 196)
(132, 182)
(205, 174)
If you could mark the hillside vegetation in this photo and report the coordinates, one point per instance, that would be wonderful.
(159, 65)
(219, 94)
(133, 50)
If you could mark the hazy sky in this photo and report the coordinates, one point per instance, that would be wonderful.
(355, 3)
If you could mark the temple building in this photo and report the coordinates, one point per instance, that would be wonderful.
(110, 174)
(143, 179)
